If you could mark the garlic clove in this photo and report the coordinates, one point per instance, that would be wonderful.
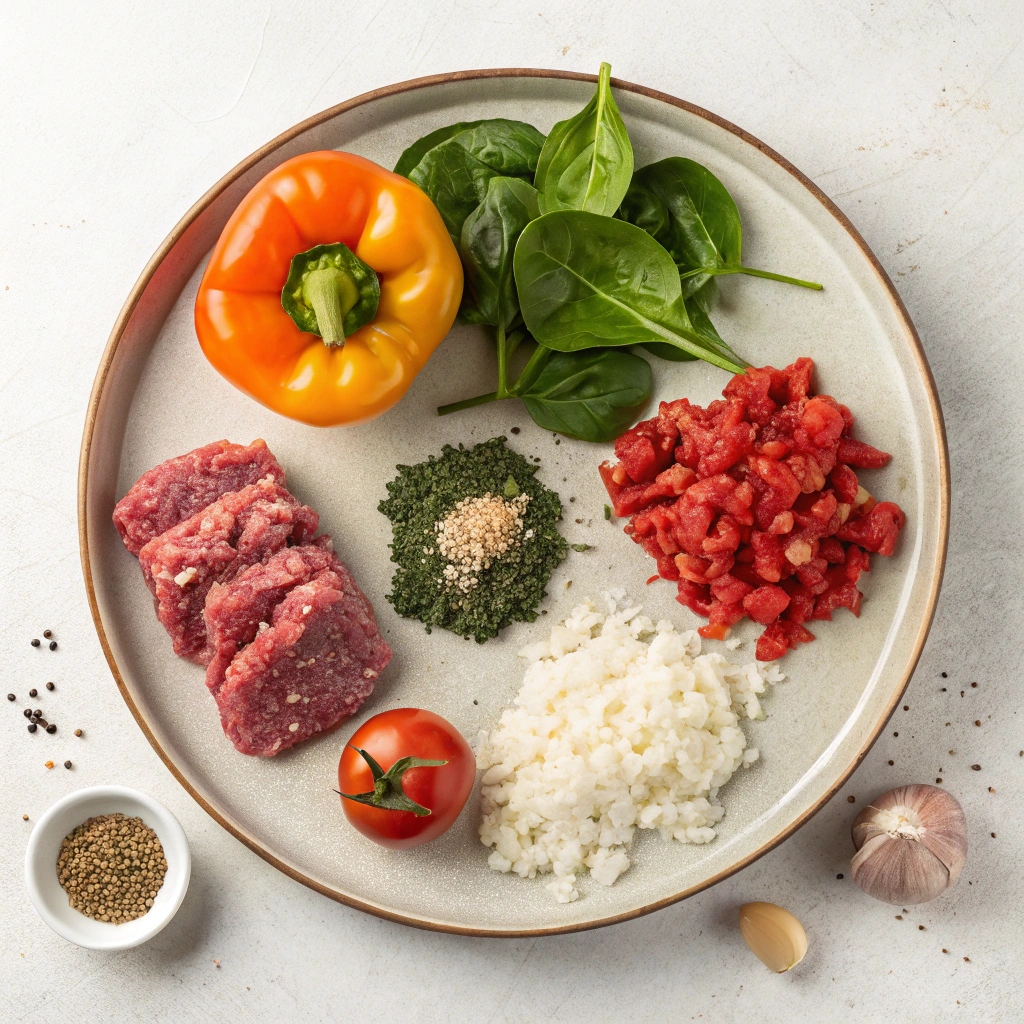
(774, 935)
(911, 844)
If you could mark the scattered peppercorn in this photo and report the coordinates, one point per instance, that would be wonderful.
(974, 684)
(891, 763)
(945, 951)
(32, 726)
(945, 675)
(53, 645)
(938, 782)
(33, 692)
(11, 696)
(24, 817)
(906, 707)
(975, 767)
(992, 834)
(899, 917)
(51, 728)
(920, 927)
(35, 643)
(851, 799)
(47, 633)
(78, 732)
(27, 712)
(50, 686)
(515, 430)
(990, 789)
(37, 713)
(967, 959)
(112, 868)
(839, 875)
(67, 764)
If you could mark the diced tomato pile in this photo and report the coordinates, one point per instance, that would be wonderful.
(753, 504)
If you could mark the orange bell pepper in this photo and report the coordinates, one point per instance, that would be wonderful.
(320, 199)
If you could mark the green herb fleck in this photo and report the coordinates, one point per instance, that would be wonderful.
(581, 547)
(608, 512)
(512, 587)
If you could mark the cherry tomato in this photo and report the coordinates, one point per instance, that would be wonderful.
(442, 789)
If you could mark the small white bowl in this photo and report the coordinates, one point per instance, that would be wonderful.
(52, 901)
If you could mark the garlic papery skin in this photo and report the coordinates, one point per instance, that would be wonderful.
(774, 935)
(911, 845)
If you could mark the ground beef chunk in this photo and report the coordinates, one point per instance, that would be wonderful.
(179, 488)
(241, 528)
(236, 610)
(753, 506)
(315, 664)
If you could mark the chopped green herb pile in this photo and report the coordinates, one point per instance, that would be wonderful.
(508, 590)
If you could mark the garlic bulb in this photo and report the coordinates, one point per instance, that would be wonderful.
(774, 935)
(911, 845)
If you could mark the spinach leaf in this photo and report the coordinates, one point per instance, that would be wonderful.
(587, 161)
(455, 171)
(489, 237)
(419, 149)
(592, 396)
(690, 212)
(701, 323)
(589, 281)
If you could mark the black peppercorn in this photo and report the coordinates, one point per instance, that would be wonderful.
(51, 728)
(47, 633)
(32, 726)
(37, 713)
(11, 696)
(67, 764)
(27, 712)
(35, 643)
(33, 692)
(53, 645)
(50, 686)
(78, 732)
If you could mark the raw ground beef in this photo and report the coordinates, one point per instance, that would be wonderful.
(239, 529)
(179, 488)
(235, 610)
(315, 664)
(753, 505)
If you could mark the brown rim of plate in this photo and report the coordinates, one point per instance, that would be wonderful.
(420, 83)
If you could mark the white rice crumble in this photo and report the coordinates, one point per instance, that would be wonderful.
(620, 724)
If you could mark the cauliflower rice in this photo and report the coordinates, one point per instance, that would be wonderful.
(620, 724)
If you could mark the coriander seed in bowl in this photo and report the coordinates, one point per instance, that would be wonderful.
(107, 867)
(112, 868)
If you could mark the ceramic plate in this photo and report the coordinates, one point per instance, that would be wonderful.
(156, 396)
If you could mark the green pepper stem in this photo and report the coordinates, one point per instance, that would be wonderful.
(331, 293)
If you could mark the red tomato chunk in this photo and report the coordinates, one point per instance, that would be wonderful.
(753, 506)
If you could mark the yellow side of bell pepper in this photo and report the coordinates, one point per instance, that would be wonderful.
(390, 225)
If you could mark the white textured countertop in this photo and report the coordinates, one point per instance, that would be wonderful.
(117, 116)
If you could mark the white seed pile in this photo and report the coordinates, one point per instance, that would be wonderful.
(476, 532)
